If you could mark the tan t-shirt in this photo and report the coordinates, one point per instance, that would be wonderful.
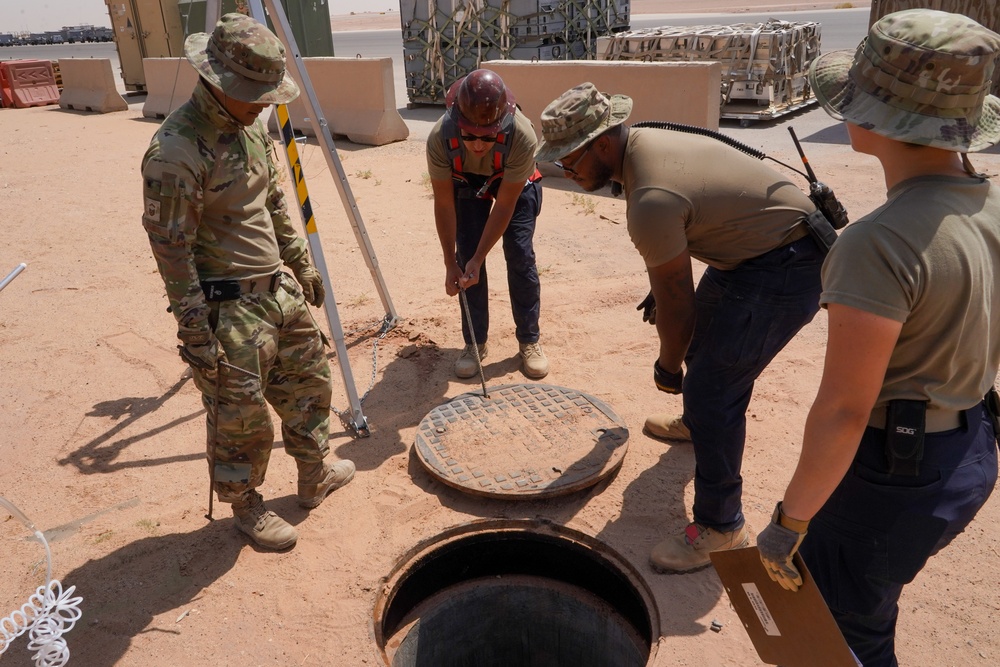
(695, 192)
(519, 166)
(929, 258)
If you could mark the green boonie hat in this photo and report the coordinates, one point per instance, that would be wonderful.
(576, 117)
(243, 59)
(921, 76)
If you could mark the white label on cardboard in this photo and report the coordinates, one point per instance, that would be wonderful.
(763, 613)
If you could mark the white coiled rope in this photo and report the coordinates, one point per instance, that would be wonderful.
(47, 615)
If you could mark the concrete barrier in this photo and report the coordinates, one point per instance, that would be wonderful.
(88, 84)
(676, 92)
(357, 96)
(169, 84)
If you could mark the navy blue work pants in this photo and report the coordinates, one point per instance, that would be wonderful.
(877, 530)
(745, 316)
(519, 253)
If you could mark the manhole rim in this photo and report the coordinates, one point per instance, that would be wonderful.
(389, 584)
(422, 450)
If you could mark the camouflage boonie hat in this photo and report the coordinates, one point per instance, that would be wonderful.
(243, 59)
(576, 117)
(921, 76)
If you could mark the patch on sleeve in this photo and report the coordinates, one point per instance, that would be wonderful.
(152, 209)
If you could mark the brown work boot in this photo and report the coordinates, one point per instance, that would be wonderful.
(466, 366)
(262, 525)
(533, 361)
(318, 480)
(689, 551)
(667, 426)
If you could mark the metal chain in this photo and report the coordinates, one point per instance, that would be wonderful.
(385, 325)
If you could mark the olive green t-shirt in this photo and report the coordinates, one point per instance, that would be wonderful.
(519, 166)
(695, 192)
(929, 258)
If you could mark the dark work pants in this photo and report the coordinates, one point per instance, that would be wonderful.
(519, 253)
(877, 530)
(745, 316)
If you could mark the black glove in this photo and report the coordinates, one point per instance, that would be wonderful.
(648, 308)
(667, 381)
(777, 545)
(203, 355)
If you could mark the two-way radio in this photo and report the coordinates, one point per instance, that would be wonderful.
(830, 214)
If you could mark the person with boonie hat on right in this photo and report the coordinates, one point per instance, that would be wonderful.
(220, 232)
(899, 451)
(690, 196)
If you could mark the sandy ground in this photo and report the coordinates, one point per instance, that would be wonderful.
(103, 432)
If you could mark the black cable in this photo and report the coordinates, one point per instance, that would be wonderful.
(729, 141)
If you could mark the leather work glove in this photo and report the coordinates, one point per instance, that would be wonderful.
(203, 355)
(777, 545)
(667, 381)
(648, 308)
(311, 282)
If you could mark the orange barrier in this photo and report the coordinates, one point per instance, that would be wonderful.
(28, 83)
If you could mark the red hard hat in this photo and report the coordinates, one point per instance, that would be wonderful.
(480, 101)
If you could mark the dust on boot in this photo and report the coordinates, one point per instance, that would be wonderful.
(318, 480)
(262, 525)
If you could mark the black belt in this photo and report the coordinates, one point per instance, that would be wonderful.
(229, 290)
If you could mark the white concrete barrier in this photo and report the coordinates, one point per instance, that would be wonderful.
(676, 92)
(169, 84)
(357, 96)
(89, 85)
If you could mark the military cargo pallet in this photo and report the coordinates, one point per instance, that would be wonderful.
(443, 40)
(764, 65)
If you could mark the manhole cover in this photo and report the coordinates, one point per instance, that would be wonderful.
(525, 440)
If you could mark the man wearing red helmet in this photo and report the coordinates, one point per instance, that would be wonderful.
(480, 156)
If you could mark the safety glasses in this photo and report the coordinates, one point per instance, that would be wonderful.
(569, 169)
(488, 139)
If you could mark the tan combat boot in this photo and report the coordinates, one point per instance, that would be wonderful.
(318, 480)
(262, 525)
(689, 551)
(533, 361)
(666, 426)
(466, 366)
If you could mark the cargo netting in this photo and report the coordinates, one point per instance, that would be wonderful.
(764, 65)
(444, 40)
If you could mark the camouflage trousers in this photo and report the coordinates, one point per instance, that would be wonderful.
(276, 337)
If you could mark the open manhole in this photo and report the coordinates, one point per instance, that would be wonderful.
(515, 592)
(522, 441)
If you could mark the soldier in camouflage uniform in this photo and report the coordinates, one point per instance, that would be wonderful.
(220, 230)
(899, 450)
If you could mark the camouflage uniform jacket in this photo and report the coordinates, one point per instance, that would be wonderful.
(213, 206)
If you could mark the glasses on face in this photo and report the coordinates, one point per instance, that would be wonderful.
(570, 169)
(488, 139)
